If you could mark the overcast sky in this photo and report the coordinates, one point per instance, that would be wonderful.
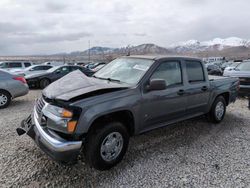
(51, 26)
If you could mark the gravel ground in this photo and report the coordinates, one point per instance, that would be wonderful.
(192, 153)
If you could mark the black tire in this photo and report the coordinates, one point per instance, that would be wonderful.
(5, 99)
(44, 83)
(95, 140)
(217, 117)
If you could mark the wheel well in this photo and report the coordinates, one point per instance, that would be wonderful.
(6, 92)
(226, 97)
(125, 116)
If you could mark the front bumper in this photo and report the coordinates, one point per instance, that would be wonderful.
(52, 144)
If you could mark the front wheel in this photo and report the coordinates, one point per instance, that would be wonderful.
(218, 110)
(44, 83)
(106, 145)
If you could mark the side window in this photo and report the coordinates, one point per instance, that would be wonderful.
(46, 67)
(170, 72)
(195, 71)
(27, 64)
(15, 65)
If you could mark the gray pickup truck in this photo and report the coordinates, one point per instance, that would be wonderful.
(97, 115)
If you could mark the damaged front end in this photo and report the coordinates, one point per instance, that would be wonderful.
(50, 141)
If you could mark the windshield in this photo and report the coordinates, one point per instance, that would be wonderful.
(244, 66)
(128, 70)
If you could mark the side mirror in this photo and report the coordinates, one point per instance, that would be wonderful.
(156, 84)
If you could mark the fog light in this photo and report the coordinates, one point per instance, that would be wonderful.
(71, 126)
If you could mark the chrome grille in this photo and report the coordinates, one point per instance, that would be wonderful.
(39, 105)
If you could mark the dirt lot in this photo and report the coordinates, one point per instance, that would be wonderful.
(193, 153)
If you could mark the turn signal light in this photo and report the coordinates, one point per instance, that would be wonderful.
(67, 114)
(71, 126)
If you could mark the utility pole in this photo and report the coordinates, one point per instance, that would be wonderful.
(89, 51)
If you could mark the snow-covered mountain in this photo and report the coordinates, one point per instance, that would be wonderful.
(139, 50)
(211, 45)
(228, 47)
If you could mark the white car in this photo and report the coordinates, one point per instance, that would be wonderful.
(14, 65)
(32, 69)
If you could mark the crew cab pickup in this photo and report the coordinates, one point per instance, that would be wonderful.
(97, 115)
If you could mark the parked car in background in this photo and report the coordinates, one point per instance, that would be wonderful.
(11, 86)
(214, 69)
(129, 96)
(42, 80)
(14, 65)
(242, 71)
(33, 69)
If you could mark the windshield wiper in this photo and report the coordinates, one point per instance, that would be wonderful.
(109, 79)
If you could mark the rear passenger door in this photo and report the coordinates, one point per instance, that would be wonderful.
(197, 89)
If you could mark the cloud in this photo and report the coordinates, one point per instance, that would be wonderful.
(48, 26)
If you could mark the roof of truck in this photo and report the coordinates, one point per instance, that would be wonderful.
(158, 57)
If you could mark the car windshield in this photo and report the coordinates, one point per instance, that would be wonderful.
(244, 66)
(127, 70)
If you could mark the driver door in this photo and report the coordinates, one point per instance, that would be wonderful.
(161, 107)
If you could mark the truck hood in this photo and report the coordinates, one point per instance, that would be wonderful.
(77, 84)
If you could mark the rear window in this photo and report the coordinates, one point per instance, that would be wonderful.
(195, 71)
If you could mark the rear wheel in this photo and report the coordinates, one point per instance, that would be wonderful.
(218, 110)
(5, 99)
(44, 83)
(106, 145)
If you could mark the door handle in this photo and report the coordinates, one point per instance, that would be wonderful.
(181, 92)
(204, 88)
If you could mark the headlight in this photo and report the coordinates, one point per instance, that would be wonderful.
(60, 112)
(70, 119)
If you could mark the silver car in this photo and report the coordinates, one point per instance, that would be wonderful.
(242, 71)
(32, 69)
(11, 86)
